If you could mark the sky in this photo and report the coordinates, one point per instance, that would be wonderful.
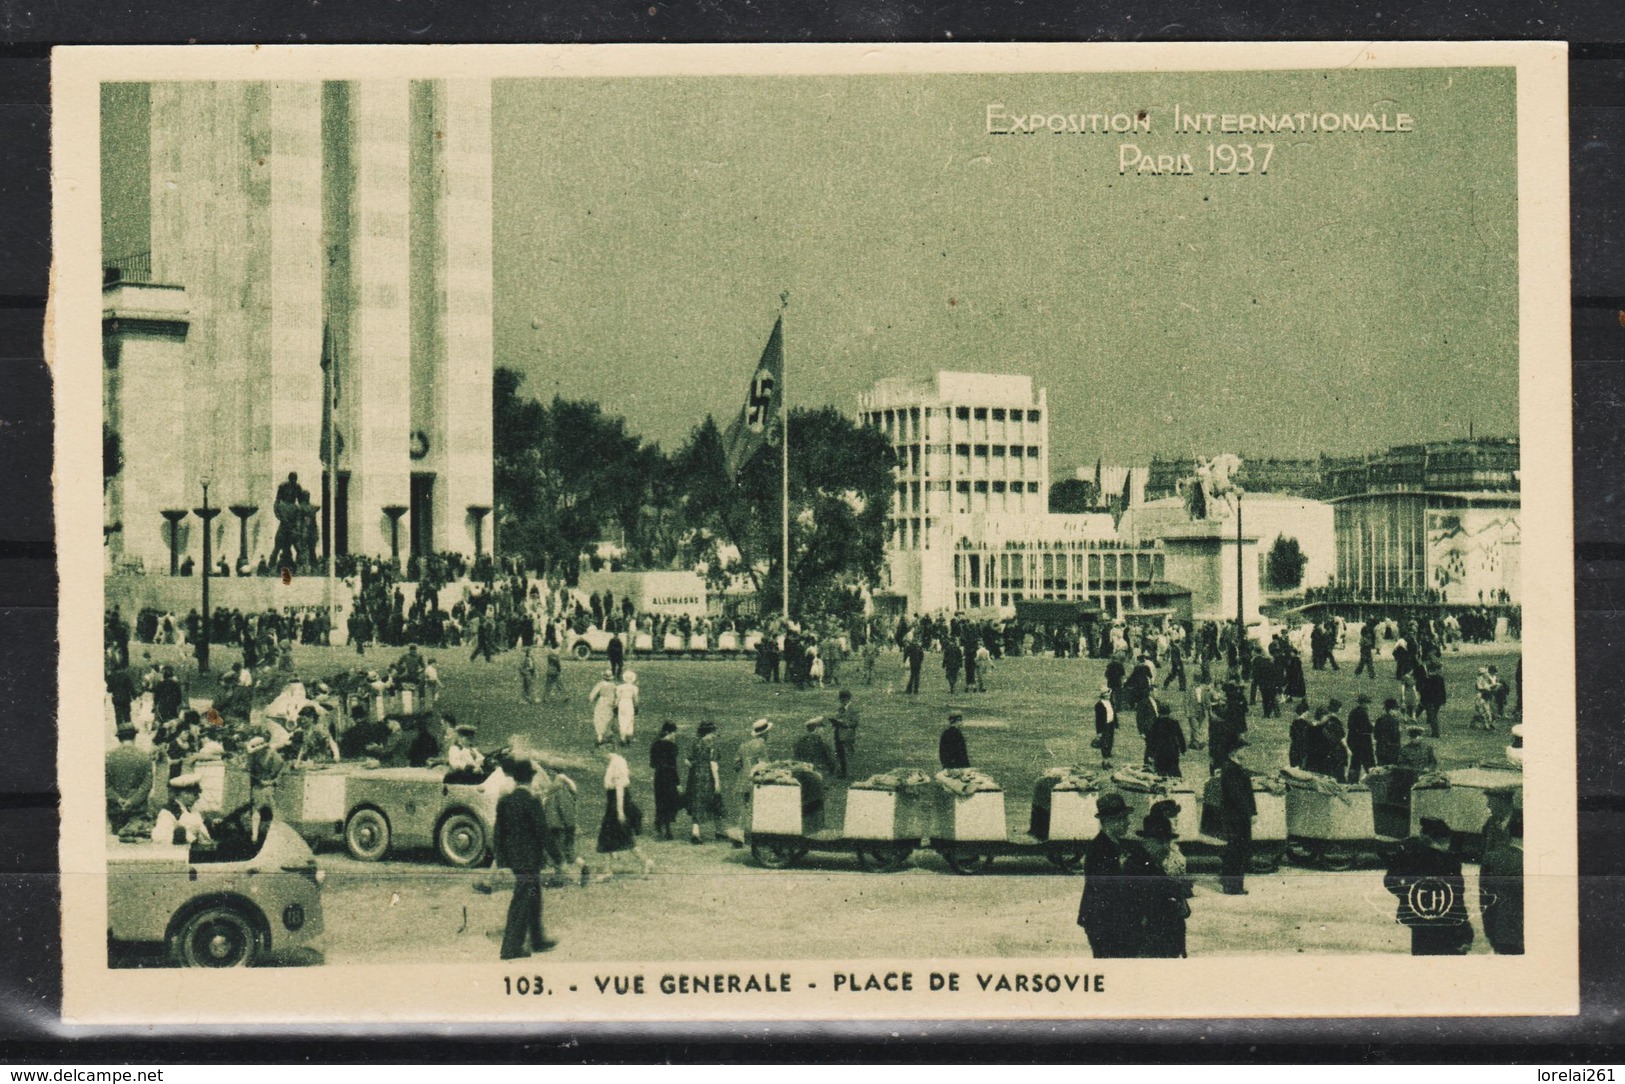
(1362, 293)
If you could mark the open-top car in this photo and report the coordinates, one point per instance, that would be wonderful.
(376, 812)
(234, 905)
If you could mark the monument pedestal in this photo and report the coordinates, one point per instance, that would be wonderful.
(1201, 555)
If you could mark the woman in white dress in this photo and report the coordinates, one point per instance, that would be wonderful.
(602, 699)
(626, 705)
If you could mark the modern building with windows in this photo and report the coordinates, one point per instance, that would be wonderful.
(971, 526)
(298, 279)
(1436, 522)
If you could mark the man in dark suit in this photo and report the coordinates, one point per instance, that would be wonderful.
(1106, 912)
(951, 749)
(521, 846)
(1237, 808)
(1362, 757)
(1105, 726)
(1500, 889)
(915, 654)
(1426, 879)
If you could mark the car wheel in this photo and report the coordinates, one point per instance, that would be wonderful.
(217, 937)
(461, 839)
(366, 835)
(582, 650)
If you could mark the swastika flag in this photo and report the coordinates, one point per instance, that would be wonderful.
(763, 399)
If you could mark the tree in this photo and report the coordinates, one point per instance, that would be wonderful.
(564, 475)
(840, 490)
(1071, 496)
(1286, 563)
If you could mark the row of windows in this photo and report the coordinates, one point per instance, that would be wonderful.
(996, 450)
(982, 414)
(997, 487)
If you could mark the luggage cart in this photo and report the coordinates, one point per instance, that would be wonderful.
(1333, 826)
(1457, 798)
(883, 826)
(970, 831)
(1269, 826)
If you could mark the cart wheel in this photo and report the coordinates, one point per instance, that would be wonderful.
(1265, 862)
(1300, 854)
(884, 857)
(1336, 859)
(965, 861)
(1067, 858)
(775, 855)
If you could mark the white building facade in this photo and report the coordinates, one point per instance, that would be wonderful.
(306, 259)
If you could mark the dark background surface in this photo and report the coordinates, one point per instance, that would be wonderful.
(29, 952)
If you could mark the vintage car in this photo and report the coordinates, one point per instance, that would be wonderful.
(376, 812)
(584, 645)
(218, 908)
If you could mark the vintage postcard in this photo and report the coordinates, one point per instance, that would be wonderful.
(814, 533)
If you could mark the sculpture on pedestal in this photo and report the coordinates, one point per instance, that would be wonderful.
(295, 545)
(1212, 493)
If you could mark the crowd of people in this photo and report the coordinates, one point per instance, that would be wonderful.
(266, 714)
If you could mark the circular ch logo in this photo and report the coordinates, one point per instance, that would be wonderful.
(1431, 898)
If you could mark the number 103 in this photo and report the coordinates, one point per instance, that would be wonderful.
(1239, 157)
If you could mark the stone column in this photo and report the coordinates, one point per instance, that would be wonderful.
(378, 395)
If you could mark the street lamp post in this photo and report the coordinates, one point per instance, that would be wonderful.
(1241, 611)
(206, 514)
(243, 512)
(174, 516)
(395, 512)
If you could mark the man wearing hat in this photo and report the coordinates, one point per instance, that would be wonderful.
(1362, 757)
(846, 723)
(265, 767)
(951, 749)
(1237, 808)
(752, 751)
(1500, 889)
(813, 749)
(1164, 743)
(521, 846)
(1105, 726)
(1386, 731)
(1417, 755)
(167, 697)
(129, 780)
(1107, 912)
(179, 822)
(464, 762)
(1502, 802)
(1156, 899)
(1426, 880)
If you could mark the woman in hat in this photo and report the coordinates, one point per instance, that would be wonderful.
(705, 784)
(1156, 899)
(668, 786)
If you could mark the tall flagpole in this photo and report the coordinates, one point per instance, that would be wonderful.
(784, 460)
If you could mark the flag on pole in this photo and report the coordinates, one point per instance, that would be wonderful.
(764, 400)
